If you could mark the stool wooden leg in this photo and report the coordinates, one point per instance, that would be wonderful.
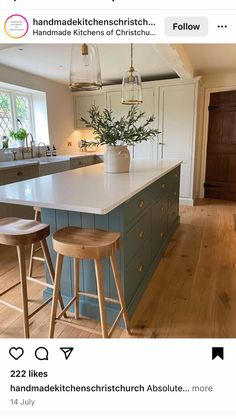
(76, 287)
(117, 279)
(31, 260)
(56, 293)
(101, 297)
(48, 260)
(36, 218)
(24, 296)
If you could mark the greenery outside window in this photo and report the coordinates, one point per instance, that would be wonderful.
(16, 111)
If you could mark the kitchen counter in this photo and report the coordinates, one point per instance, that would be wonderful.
(45, 160)
(87, 190)
(17, 163)
(143, 205)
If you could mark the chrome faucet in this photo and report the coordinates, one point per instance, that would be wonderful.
(32, 142)
(41, 143)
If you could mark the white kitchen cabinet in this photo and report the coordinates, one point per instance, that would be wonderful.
(145, 150)
(81, 161)
(114, 103)
(84, 102)
(119, 110)
(54, 167)
(173, 103)
(17, 174)
(177, 107)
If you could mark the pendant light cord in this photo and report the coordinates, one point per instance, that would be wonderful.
(132, 54)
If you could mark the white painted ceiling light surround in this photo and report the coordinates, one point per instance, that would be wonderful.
(53, 61)
(212, 58)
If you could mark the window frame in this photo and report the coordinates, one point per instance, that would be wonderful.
(12, 95)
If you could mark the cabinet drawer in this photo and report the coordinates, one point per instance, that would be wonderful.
(98, 159)
(19, 173)
(173, 213)
(137, 235)
(159, 187)
(137, 205)
(137, 271)
(77, 162)
(173, 193)
(166, 183)
(161, 207)
(159, 233)
(174, 176)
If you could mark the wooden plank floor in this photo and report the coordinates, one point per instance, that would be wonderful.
(191, 295)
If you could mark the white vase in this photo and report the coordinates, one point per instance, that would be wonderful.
(117, 159)
(19, 143)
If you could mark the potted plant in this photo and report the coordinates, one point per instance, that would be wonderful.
(5, 142)
(19, 136)
(117, 135)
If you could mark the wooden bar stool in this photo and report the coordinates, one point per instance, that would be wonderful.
(34, 250)
(20, 233)
(80, 243)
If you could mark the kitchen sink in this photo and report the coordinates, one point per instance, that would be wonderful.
(45, 160)
(50, 165)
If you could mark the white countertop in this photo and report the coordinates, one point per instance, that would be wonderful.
(87, 189)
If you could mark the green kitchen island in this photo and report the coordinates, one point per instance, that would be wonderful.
(143, 205)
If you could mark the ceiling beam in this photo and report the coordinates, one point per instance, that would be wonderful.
(177, 57)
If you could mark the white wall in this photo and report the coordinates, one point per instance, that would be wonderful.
(59, 103)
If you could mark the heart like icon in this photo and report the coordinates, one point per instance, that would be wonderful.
(16, 353)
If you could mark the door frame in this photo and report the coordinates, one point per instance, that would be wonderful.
(203, 151)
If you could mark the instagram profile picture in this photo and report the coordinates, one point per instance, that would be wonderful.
(16, 26)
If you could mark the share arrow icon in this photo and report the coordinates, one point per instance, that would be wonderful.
(67, 352)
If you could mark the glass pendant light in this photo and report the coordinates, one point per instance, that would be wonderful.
(85, 70)
(131, 85)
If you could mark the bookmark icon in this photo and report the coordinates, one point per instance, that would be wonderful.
(218, 352)
(67, 351)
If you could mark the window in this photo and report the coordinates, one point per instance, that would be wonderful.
(5, 113)
(16, 112)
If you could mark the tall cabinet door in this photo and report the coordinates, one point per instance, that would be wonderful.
(84, 102)
(144, 150)
(119, 110)
(147, 149)
(177, 122)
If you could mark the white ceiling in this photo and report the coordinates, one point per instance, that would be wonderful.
(212, 58)
(53, 61)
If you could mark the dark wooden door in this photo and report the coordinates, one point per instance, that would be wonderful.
(220, 182)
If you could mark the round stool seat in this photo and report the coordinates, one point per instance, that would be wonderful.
(85, 243)
(16, 231)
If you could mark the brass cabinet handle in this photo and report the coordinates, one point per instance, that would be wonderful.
(141, 234)
(174, 193)
(161, 234)
(163, 186)
(162, 208)
(176, 175)
(141, 267)
(141, 203)
(19, 173)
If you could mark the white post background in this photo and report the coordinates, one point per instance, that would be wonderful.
(182, 362)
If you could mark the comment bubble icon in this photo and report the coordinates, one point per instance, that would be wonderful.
(41, 353)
